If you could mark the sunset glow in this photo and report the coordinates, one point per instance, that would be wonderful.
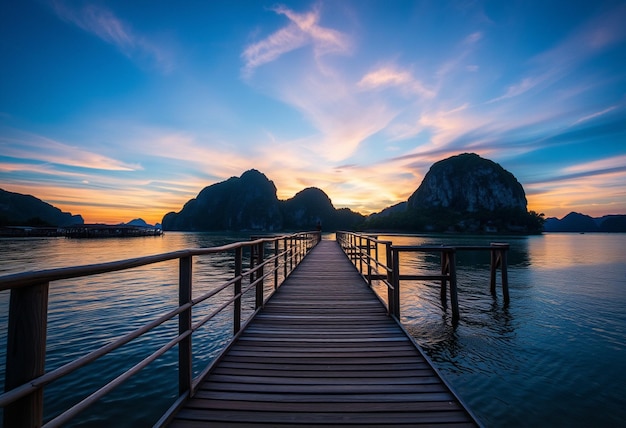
(117, 110)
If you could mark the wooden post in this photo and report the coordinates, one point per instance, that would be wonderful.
(390, 277)
(290, 251)
(493, 266)
(505, 274)
(361, 254)
(499, 259)
(369, 262)
(285, 258)
(252, 260)
(396, 283)
(275, 264)
(185, 372)
(296, 247)
(454, 300)
(237, 290)
(259, 276)
(445, 271)
(26, 352)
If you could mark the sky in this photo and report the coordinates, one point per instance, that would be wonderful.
(123, 109)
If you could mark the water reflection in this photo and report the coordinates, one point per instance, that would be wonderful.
(547, 358)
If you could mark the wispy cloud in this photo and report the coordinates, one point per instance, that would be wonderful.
(517, 89)
(601, 166)
(303, 29)
(21, 145)
(105, 25)
(391, 76)
(594, 115)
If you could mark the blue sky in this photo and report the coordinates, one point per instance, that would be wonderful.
(117, 109)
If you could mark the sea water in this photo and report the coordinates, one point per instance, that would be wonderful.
(553, 357)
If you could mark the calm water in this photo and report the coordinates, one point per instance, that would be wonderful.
(553, 357)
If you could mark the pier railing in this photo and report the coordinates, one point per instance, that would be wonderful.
(366, 253)
(25, 376)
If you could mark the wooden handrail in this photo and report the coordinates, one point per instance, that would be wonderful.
(25, 374)
(358, 246)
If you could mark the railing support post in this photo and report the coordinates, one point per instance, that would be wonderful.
(369, 262)
(237, 290)
(259, 275)
(454, 300)
(275, 264)
(396, 283)
(390, 276)
(252, 260)
(291, 253)
(493, 266)
(504, 270)
(445, 271)
(499, 259)
(184, 324)
(285, 254)
(26, 352)
(360, 254)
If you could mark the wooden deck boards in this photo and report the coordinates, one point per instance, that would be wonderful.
(323, 352)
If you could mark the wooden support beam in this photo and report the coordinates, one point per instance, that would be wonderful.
(26, 352)
(185, 372)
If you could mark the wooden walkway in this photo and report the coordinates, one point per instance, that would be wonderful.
(323, 352)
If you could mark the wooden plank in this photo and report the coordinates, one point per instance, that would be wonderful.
(328, 418)
(200, 403)
(323, 352)
(318, 380)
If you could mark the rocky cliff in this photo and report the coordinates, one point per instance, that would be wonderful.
(246, 202)
(250, 203)
(17, 209)
(468, 183)
(463, 193)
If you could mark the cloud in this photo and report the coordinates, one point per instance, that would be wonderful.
(283, 41)
(473, 38)
(342, 118)
(390, 76)
(103, 24)
(595, 193)
(517, 89)
(595, 115)
(31, 147)
(601, 166)
(302, 30)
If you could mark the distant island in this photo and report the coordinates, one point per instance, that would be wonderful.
(249, 202)
(17, 209)
(576, 222)
(460, 194)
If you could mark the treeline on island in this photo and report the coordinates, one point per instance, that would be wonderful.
(463, 194)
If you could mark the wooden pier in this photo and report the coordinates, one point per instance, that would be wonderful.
(323, 352)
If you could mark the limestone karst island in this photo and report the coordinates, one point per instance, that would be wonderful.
(461, 194)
